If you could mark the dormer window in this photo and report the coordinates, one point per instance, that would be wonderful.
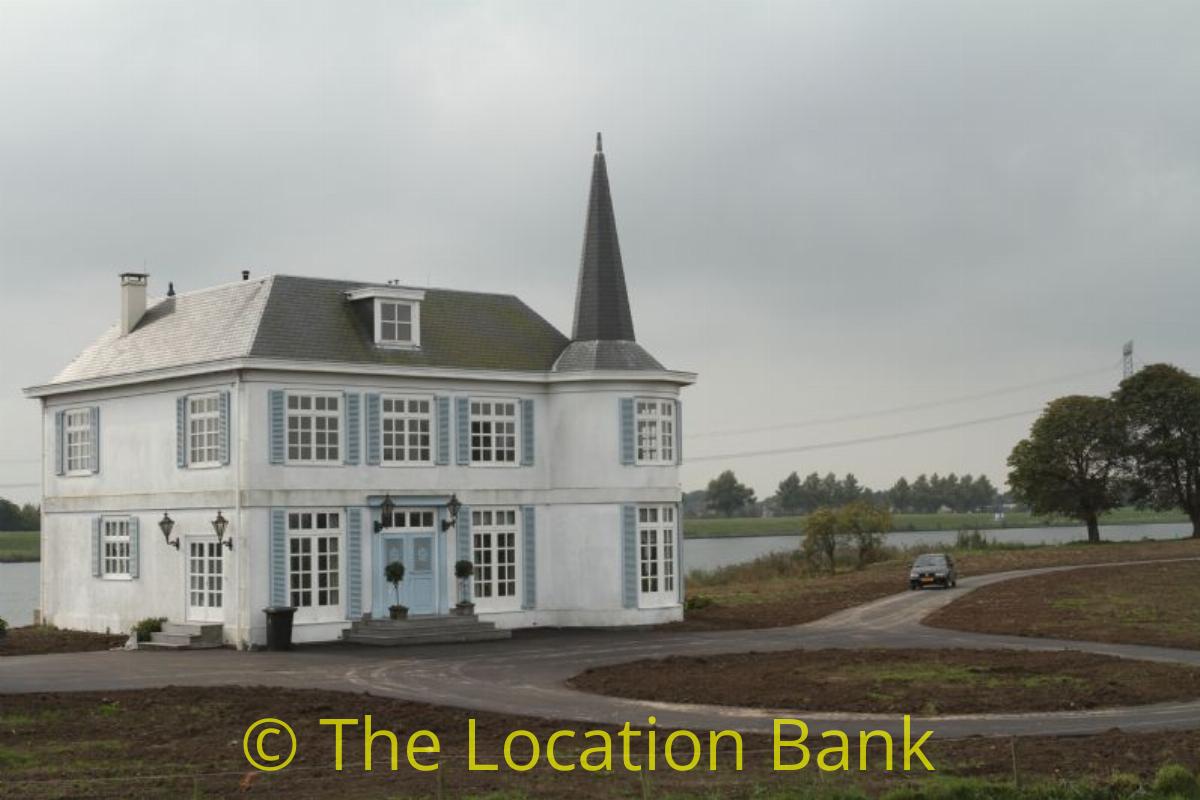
(394, 314)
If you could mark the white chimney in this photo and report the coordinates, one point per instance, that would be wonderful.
(133, 299)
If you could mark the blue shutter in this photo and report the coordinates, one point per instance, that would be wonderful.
(59, 443)
(95, 547)
(462, 546)
(629, 557)
(353, 426)
(463, 414)
(373, 432)
(527, 433)
(528, 557)
(278, 560)
(443, 430)
(134, 547)
(95, 438)
(626, 429)
(181, 431)
(679, 576)
(276, 427)
(354, 563)
(223, 433)
(678, 433)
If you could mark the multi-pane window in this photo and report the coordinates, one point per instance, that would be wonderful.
(114, 548)
(494, 553)
(401, 518)
(406, 426)
(204, 430)
(397, 322)
(314, 563)
(655, 431)
(493, 432)
(206, 578)
(79, 440)
(656, 554)
(313, 422)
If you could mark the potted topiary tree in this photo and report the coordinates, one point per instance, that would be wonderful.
(394, 573)
(463, 570)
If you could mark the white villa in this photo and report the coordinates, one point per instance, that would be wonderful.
(290, 410)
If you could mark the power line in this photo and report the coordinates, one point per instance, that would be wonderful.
(865, 439)
(903, 409)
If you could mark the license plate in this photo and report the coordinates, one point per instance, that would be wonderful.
(926, 580)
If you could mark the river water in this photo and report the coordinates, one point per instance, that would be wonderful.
(19, 582)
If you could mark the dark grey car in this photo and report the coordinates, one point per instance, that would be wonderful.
(933, 569)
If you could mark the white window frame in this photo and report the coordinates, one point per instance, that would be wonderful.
(211, 419)
(414, 311)
(407, 417)
(492, 419)
(314, 414)
(114, 533)
(657, 555)
(496, 556)
(654, 431)
(324, 524)
(78, 422)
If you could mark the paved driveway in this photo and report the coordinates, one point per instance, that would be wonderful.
(525, 675)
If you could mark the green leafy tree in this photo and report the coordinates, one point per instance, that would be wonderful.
(790, 495)
(900, 495)
(726, 494)
(820, 539)
(1073, 461)
(864, 525)
(1161, 406)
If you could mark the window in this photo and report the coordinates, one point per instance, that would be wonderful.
(314, 564)
(114, 548)
(418, 520)
(312, 428)
(397, 322)
(656, 554)
(493, 432)
(206, 578)
(406, 425)
(78, 433)
(494, 553)
(204, 430)
(655, 431)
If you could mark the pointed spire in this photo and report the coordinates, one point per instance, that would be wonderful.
(601, 302)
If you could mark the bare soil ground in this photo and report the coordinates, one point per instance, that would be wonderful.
(35, 640)
(781, 591)
(914, 682)
(1152, 604)
(187, 742)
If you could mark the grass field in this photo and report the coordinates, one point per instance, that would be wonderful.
(20, 546)
(764, 526)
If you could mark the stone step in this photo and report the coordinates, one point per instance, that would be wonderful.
(171, 638)
(401, 633)
(205, 631)
(452, 636)
(185, 636)
(414, 622)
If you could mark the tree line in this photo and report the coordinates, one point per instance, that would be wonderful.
(1087, 455)
(19, 518)
(726, 495)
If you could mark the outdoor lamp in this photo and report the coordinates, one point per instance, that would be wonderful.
(219, 525)
(452, 507)
(166, 525)
(385, 512)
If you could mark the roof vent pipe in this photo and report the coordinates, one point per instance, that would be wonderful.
(133, 299)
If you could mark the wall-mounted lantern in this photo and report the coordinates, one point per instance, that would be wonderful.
(220, 524)
(166, 525)
(386, 508)
(452, 509)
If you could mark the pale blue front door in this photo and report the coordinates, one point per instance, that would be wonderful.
(418, 590)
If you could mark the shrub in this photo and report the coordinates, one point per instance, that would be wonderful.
(1174, 780)
(148, 626)
(3, 625)
(463, 569)
(698, 601)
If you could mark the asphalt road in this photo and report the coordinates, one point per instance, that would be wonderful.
(526, 675)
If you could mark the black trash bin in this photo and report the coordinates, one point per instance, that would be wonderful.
(279, 627)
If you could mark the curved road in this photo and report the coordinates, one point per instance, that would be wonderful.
(526, 675)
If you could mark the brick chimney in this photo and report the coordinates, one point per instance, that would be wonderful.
(133, 299)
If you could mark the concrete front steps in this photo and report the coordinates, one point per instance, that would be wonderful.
(423, 630)
(184, 636)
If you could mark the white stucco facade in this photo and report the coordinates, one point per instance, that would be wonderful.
(576, 492)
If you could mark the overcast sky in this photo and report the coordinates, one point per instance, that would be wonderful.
(824, 208)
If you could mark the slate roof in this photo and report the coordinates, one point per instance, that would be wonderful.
(605, 354)
(310, 319)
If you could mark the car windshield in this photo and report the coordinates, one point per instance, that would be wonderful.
(930, 561)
